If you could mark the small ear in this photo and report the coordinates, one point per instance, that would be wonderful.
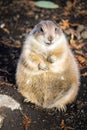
(34, 30)
(38, 25)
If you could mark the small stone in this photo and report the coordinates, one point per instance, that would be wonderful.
(80, 28)
(2, 25)
(68, 3)
(18, 16)
(18, 42)
(84, 34)
(36, 17)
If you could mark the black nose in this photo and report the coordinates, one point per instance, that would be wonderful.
(50, 38)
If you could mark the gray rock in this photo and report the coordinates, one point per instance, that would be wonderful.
(84, 34)
(9, 102)
(80, 28)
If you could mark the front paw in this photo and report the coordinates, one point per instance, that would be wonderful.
(42, 66)
(62, 108)
(51, 59)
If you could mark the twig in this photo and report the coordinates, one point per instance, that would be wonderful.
(2, 70)
(9, 44)
(7, 84)
(26, 121)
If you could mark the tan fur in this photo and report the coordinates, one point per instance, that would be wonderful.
(56, 82)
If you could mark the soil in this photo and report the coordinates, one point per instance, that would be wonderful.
(17, 18)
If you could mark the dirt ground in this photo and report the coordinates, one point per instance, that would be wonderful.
(17, 18)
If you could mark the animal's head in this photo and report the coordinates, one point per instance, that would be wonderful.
(47, 33)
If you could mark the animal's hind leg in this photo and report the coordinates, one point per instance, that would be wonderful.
(68, 97)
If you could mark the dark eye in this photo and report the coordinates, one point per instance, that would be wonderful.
(41, 29)
(56, 29)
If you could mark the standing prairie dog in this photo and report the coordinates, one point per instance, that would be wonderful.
(47, 72)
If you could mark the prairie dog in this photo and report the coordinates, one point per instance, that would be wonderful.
(47, 72)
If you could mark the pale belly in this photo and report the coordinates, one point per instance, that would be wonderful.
(46, 88)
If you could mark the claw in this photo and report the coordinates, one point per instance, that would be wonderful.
(51, 59)
(42, 66)
(62, 108)
(26, 100)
